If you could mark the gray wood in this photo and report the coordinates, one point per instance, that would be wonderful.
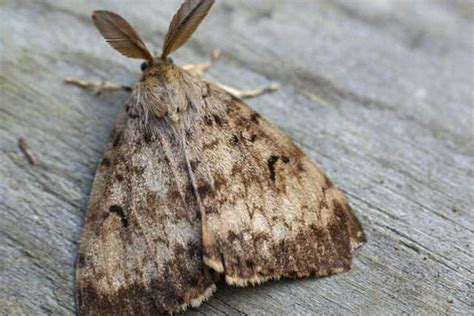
(379, 93)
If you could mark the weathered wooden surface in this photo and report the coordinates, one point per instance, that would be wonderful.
(379, 93)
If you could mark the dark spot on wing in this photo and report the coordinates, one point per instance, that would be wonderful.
(132, 111)
(300, 167)
(219, 181)
(313, 226)
(179, 250)
(188, 134)
(204, 189)
(194, 164)
(250, 264)
(208, 121)
(271, 166)
(194, 250)
(133, 114)
(144, 65)
(81, 259)
(231, 237)
(260, 237)
(117, 139)
(105, 162)
(236, 169)
(194, 280)
(255, 117)
(210, 145)
(217, 119)
(118, 210)
(139, 170)
(253, 137)
(174, 195)
(147, 136)
(323, 204)
(285, 159)
(189, 187)
(119, 177)
(138, 142)
(235, 140)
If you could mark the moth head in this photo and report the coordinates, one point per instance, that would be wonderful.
(123, 37)
(145, 66)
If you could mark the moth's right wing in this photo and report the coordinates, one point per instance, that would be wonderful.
(268, 210)
(140, 250)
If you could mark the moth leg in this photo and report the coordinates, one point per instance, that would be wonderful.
(242, 94)
(200, 69)
(98, 86)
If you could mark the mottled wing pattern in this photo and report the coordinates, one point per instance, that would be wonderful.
(269, 211)
(140, 251)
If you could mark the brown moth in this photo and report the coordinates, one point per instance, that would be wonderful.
(195, 185)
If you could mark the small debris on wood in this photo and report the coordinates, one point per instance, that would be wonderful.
(23, 144)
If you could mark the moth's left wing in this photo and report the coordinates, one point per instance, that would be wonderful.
(140, 251)
(268, 211)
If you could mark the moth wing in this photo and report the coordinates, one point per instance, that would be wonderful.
(269, 211)
(140, 250)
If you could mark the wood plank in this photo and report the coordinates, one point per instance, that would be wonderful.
(379, 93)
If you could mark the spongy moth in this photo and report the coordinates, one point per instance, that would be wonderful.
(194, 185)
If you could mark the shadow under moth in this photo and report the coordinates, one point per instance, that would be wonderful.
(194, 186)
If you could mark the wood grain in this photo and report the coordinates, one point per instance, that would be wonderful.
(379, 93)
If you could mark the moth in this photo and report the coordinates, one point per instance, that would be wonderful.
(195, 186)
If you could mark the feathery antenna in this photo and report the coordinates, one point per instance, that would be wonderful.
(121, 35)
(184, 23)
